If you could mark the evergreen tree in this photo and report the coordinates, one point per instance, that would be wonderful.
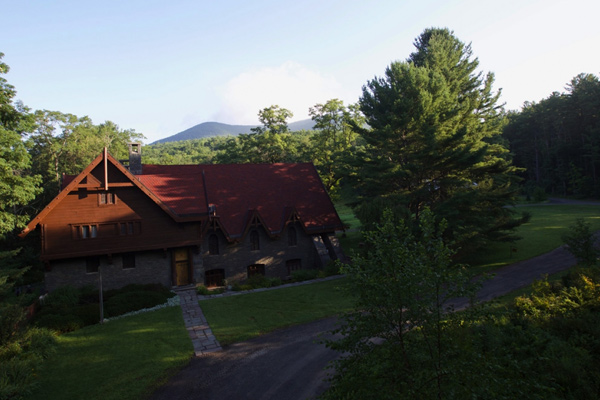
(434, 141)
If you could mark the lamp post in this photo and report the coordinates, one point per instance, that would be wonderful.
(101, 296)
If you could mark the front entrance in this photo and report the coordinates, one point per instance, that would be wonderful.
(182, 267)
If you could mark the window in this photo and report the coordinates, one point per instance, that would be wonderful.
(130, 228)
(292, 238)
(254, 241)
(128, 260)
(256, 269)
(293, 265)
(85, 231)
(214, 277)
(213, 244)
(92, 265)
(105, 198)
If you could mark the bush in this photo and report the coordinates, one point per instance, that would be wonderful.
(204, 291)
(66, 296)
(150, 287)
(20, 359)
(11, 318)
(61, 323)
(332, 268)
(88, 313)
(123, 303)
(580, 242)
(304, 274)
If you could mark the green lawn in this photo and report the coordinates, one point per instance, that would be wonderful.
(122, 359)
(543, 233)
(237, 318)
(127, 358)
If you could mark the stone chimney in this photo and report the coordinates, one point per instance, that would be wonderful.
(135, 158)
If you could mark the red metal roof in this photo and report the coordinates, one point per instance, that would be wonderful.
(239, 190)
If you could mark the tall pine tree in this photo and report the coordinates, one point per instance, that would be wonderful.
(433, 140)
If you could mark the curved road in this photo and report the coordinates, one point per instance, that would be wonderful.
(289, 364)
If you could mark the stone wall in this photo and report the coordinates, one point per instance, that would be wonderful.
(150, 267)
(234, 258)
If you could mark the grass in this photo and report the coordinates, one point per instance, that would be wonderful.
(129, 357)
(543, 233)
(122, 359)
(238, 318)
(347, 216)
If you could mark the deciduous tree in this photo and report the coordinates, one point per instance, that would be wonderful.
(395, 343)
(17, 186)
(334, 142)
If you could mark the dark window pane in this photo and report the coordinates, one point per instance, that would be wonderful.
(254, 241)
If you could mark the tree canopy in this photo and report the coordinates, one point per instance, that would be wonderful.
(557, 140)
(17, 186)
(433, 140)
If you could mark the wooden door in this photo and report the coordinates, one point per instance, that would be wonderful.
(181, 261)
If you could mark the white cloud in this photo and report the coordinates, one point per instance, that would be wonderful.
(290, 85)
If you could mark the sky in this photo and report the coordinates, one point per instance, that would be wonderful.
(160, 67)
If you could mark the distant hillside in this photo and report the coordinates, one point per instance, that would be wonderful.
(209, 129)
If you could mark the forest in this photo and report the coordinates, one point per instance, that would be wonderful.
(429, 142)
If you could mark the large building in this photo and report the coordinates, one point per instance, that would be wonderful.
(185, 224)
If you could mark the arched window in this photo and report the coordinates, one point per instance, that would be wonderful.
(213, 244)
(292, 238)
(254, 241)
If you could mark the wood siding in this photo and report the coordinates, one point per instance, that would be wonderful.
(128, 220)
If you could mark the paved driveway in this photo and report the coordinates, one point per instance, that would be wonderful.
(289, 364)
(282, 365)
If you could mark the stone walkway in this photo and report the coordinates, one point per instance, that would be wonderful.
(203, 340)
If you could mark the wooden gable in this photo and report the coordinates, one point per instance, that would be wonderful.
(106, 210)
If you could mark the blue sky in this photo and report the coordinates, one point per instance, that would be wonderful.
(160, 67)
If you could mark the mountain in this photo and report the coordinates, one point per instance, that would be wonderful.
(209, 129)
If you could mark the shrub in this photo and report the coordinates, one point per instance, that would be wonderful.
(539, 195)
(150, 287)
(20, 359)
(132, 301)
(11, 318)
(66, 296)
(258, 281)
(580, 242)
(203, 290)
(332, 268)
(88, 313)
(62, 323)
(304, 274)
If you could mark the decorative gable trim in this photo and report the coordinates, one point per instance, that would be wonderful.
(80, 182)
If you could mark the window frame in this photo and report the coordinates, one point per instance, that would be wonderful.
(92, 265)
(107, 198)
(255, 269)
(213, 244)
(292, 236)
